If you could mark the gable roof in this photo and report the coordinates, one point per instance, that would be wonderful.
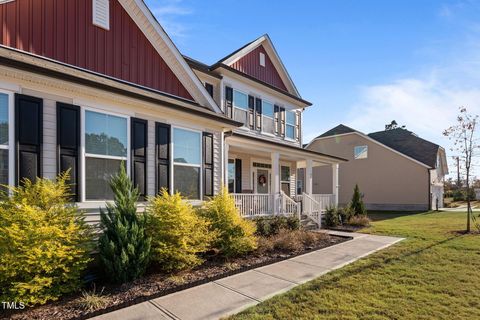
(340, 129)
(399, 140)
(272, 53)
(408, 143)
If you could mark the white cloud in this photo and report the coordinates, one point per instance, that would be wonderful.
(167, 13)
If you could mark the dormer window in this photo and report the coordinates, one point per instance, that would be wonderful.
(262, 59)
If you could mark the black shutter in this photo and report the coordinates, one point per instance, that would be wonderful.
(68, 145)
(258, 113)
(229, 102)
(139, 144)
(209, 88)
(282, 122)
(162, 156)
(276, 123)
(238, 175)
(28, 137)
(207, 164)
(251, 112)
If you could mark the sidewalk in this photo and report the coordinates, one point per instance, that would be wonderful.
(233, 294)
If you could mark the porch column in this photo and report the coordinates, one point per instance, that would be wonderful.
(335, 183)
(225, 164)
(309, 177)
(276, 181)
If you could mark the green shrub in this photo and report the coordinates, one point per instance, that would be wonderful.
(44, 242)
(344, 214)
(461, 195)
(124, 247)
(178, 233)
(332, 218)
(267, 226)
(357, 206)
(236, 236)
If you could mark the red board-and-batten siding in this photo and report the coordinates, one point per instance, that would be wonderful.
(250, 64)
(62, 30)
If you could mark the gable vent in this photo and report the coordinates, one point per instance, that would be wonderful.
(101, 13)
(262, 59)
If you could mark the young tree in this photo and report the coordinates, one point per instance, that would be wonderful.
(357, 205)
(463, 135)
(124, 246)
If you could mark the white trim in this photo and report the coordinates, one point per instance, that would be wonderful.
(171, 46)
(191, 165)
(11, 137)
(371, 140)
(84, 154)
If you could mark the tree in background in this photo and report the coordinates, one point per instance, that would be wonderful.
(463, 135)
(124, 247)
(357, 206)
(393, 125)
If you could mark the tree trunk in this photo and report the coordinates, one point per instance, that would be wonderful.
(469, 207)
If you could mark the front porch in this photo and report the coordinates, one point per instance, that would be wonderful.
(268, 179)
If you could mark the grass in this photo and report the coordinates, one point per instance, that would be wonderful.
(434, 274)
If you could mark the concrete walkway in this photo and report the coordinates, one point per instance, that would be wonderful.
(235, 293)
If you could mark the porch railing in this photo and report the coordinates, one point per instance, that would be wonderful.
(254, 205)
(312, 209)
(289, 207)
(325, 200)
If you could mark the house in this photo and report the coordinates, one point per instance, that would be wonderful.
(395, 169)
(89, 85)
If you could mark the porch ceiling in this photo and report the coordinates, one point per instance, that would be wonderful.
(261, 148)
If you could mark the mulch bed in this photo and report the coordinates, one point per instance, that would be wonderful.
(156, 284)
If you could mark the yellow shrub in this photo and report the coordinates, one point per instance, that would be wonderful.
(236, 235)
(178, 233)
(44, 242)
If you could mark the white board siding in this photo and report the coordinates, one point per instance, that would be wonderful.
(49, 146)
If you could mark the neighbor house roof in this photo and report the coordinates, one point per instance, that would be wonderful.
(408, 143)
(340, 129)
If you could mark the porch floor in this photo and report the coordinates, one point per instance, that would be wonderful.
(232, 294)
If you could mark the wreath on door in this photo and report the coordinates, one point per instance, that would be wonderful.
(262, 180)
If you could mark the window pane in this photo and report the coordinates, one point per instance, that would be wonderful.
(3, 168)
(268, 125)
(290, 132)
(361, 152)
(186, 180)
(231, 176)
(240, 116)
(105, 134)
(290, 117)
(240, 100)
(98, 173)
(186, 146)
(285, 173)
(3, 118)
(267, 109)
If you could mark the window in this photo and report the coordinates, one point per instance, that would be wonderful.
(262, 59)
(290, 125)
(209, 88)
(187, 155)
(285, 179)
(361, 152)
(106, 144)
(268, 114)
(4, 139)
(240, 104)
(231, 175)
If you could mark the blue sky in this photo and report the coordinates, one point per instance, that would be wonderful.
(361, 63)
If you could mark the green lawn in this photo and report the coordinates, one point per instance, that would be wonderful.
(434, 274)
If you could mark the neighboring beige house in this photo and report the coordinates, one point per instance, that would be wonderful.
(395, 169)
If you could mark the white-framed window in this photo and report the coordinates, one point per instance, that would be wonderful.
(240, 106)
(285, 179)
(187, 162)
(290, 124)
(360, 152)
(268, 114)
(231, 175)
(106, 144)
(6, 139)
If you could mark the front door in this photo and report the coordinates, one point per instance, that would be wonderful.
(263, 180)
